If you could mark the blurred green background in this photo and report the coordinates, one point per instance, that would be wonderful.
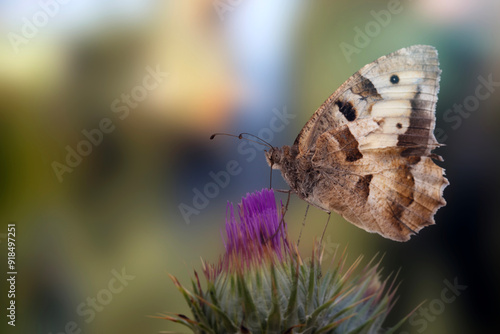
(233, 66)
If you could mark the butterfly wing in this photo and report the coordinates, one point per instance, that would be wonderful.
(371, 93)
(372, 143)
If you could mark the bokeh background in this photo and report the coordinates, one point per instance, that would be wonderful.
(233, 66)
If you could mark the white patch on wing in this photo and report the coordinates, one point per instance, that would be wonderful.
(391, 108)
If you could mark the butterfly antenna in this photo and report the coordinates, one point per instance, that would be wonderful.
(262, 140)
(240, 136)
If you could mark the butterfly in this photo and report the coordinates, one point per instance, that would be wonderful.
(366, 152)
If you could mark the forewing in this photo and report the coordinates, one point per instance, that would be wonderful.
(406, 103)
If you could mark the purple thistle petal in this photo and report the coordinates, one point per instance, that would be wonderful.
(252, 239)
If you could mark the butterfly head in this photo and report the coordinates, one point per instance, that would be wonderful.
(274, 157)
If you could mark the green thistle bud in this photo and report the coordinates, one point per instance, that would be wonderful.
(261, 284)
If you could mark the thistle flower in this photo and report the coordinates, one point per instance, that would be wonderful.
(262, 285)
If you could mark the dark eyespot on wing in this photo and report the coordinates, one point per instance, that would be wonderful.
(347, 109)
(348, 144)
(394, 79)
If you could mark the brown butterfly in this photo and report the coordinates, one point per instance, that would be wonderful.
(366, 153)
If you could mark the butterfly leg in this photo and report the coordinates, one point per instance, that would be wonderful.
(283, 191)
(324, 230)
(289, 192)
(303, 224)
(283, 212)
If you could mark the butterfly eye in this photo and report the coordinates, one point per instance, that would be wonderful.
(276, 156)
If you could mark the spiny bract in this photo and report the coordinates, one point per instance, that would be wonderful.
(261, 284)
